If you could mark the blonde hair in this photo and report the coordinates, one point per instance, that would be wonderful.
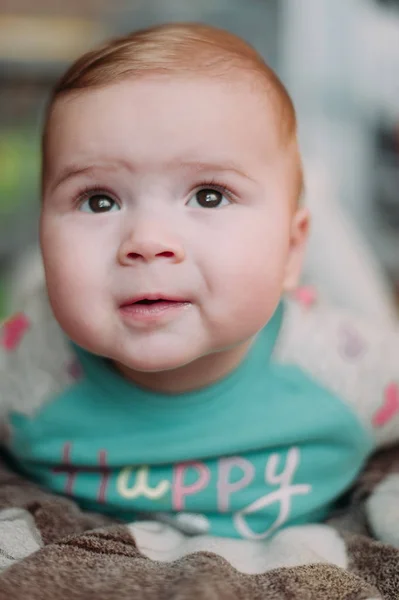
(175, 49)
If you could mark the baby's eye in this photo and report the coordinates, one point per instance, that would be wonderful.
(208, 198)
(99, 203)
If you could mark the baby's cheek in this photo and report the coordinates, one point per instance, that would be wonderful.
(246, 302)
(73, 298)
(257, 290)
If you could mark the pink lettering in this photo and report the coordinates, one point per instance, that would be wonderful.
(71, 471)
(225, 486)
(67, 468)
(181, 491)
(105, 472)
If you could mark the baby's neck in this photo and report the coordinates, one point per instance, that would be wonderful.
(200, 373)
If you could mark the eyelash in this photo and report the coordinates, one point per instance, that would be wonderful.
(215, 185)
(88, 190)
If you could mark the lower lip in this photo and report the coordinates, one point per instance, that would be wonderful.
(152, 312)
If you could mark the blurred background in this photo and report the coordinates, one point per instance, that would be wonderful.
(338, 58)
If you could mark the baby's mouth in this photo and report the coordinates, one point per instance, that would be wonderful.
(152, 306)
(156, 304)
(153, 302)
(148, 302)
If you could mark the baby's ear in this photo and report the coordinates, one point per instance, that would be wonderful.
(298, 238)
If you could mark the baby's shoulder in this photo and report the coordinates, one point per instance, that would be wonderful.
(35, 356)
(352, 356)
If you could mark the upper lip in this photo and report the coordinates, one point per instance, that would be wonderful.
(153, 297)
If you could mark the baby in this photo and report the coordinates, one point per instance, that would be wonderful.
(183, 377)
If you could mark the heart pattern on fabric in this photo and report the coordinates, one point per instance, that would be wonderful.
(13, 331)
(75, 370)
(352, 344)
(390, 406)
(307, 296)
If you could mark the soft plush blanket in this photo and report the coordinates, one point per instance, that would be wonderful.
(50, 549)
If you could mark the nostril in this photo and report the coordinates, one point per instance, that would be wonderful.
(134, 256)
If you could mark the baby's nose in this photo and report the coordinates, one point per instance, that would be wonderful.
(146, 246)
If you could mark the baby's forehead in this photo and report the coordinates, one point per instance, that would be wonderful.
(260, 99)
(192, 53)
(186, 115)
(96, 131)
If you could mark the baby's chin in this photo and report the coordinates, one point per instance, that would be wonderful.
(155, 362)
(143, 351)
(160, 375)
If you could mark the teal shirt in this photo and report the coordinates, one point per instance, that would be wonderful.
(263, 448)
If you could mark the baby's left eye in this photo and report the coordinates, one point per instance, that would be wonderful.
(208, 198)
(99, 203)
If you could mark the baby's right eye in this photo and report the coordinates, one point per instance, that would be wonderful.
(99, 203)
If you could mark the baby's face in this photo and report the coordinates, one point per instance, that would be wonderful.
(175, 193)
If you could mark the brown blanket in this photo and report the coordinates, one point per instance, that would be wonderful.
(51, 550)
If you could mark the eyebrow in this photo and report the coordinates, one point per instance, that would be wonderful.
(74, 170)
(220, 167)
